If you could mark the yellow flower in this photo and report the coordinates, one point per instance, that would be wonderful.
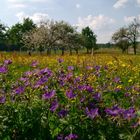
(119, 86)
(130, 80)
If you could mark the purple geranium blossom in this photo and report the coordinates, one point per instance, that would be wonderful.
(60, 137)
(54, 105)
(127, 94)
(41, 81)
(129, 113)
(28, 74)
(134, 125)
(7, 62)
(49, 95)
(97, 68)
(92, 113)
(116, 79)
(34, 64)
(19, 90)
(2, 100)
(46, 71)
(89, 67)
(23, 79)
(62, 113)
(71, 137)
(70, 68)
(115, 111)
(89, 88)
(97, 96)
(60, 60)
(3, 69)
(70, 94)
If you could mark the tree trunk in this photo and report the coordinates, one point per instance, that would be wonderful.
(62, 51)
(29, 53)
(76, 51)
(48, 51)
(87, 51)
(54, 51)
(70, 51)
(134, 46)
(92, 51)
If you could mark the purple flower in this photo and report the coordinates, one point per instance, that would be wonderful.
(60, 137)
(2, 100)
(116, 79)
(49, 95)
(60, 60)
(62, 113)
(97, 96)
(89, 67)
(23, 79)
(69, 76)
(127, 94)
(19, 90)
(89, 88)
(46, 71)
(3, 69)
(54, 106)
(134, 125)
(70, 68)
(81, 87)
(92, 113)
(82, 99)
(41, 81)
(71, 137)
(115, 111)
(34, 64)
(70, 94)
(117, 89)
(129, 113)
(97, 68)
(28, 74)
(7, 62)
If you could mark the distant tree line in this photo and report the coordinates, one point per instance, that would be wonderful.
(61, 36)
(47, 36)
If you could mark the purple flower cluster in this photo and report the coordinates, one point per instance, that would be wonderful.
(92, 113)
(49, 95)
(124, 113)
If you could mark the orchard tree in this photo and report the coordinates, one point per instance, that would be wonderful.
(15, 33)
(133, 33)
(89, 39)
(2, 33)
(128, 34)
(120, 39)
(49, 35)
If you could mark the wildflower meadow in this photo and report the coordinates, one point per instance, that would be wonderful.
(70, 97)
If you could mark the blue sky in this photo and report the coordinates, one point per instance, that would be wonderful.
(103, 16)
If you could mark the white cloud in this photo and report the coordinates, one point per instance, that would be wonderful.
(78, 5)
(129, 19)
(36, 17)
(24, 3)
(120, 3)
(138, 1)
(101, 25)
(95, 22)
(18, 5)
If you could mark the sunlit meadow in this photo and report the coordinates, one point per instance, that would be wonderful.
(71, 97)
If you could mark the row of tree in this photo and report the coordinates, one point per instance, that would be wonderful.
(54, 35)
(47, 36)
(127, 37)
